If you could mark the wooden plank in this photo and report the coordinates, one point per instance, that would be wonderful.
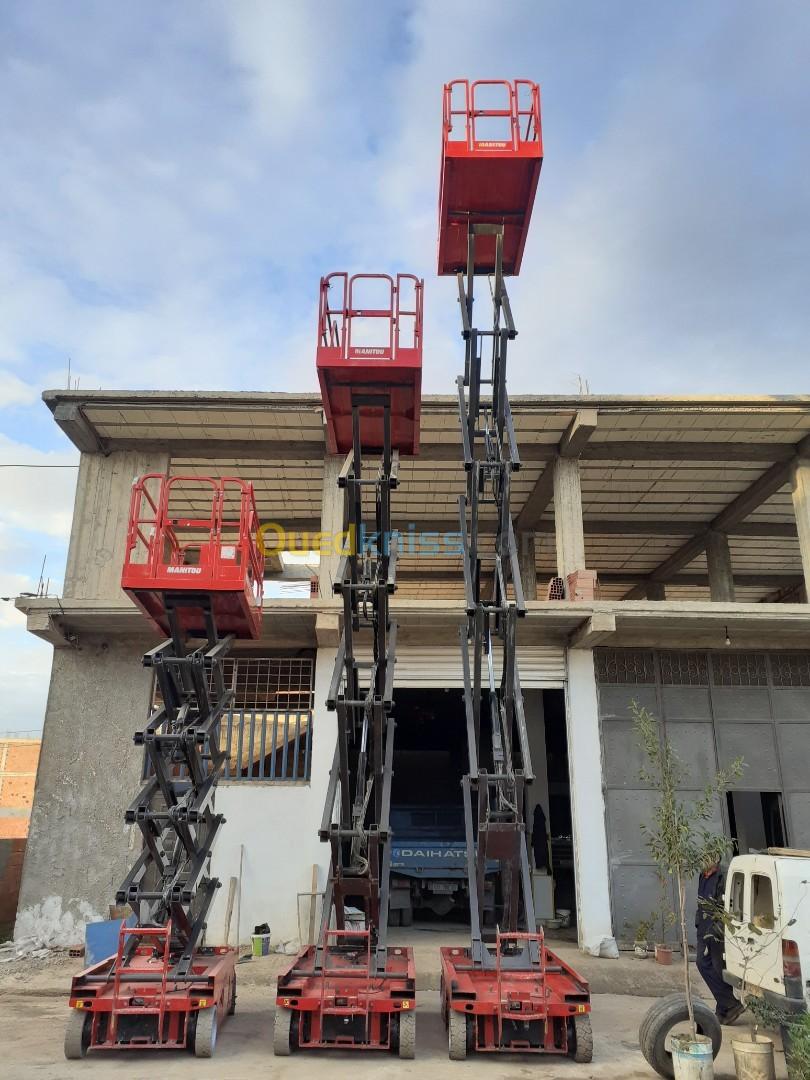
(229, 909)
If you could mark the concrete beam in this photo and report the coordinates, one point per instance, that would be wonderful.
(71, 419)
(593, 526)
(578, 433)
(327, 630)
(800, 492)
(656, 590)
(737, 510)
(571, 445)
(718, 561)
(595, 630)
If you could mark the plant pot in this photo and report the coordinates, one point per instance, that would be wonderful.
(640, 950)
(754, 1060)
(663, 955)
(692, 1059)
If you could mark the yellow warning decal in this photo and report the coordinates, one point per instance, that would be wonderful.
(582, 1008)
(405, 1005)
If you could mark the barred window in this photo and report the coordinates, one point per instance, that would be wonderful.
(619, 666)
(790, 669)
(684, 668)
(740, 669)
(267, 732)
(267, 682)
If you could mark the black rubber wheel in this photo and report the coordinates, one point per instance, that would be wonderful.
(395, 917)
(232, 999)
(457, 1035)
(77, 1034)
(205, 1032)
(283, 1032)
(406, 916)
(666, 1014)
(580, 1047)
(407, 1035)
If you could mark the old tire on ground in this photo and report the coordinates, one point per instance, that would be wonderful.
(582, 1049)
(457, 1036)
(407, 1035)
(232, 998)
(77, 1034)
(659, 1022)
(205, 1032)
(282, 1032)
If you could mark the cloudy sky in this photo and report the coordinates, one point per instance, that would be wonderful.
(177, 174)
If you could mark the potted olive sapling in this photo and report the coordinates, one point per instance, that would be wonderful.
(643, 931)
(681, 841)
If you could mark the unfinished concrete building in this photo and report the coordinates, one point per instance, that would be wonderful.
(693, 514)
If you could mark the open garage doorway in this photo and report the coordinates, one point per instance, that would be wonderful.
(428, 871)
(548, 814)
(428, 868)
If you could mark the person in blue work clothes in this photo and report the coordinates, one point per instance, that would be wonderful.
(710, 944)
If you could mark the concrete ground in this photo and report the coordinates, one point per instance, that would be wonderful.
(33, 1013)
(33, 1025)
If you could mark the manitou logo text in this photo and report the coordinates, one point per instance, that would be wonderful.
(183, 569)
(366, 351)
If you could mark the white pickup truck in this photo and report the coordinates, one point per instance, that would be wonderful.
(770, 892)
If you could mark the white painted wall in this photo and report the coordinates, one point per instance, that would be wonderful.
(595, 923)
(277, 824)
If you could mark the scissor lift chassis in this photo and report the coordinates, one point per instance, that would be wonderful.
(507, 991)
(351, 990)
(163, 989)
(153, 1009)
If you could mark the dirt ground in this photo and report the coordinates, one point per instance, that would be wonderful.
(32, 1026)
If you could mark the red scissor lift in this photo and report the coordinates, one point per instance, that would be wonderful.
(194, 567)
(351, 990)
(507, 991)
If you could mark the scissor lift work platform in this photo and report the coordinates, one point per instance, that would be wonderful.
(492, 151)
(351, 990)
(370, 341)
(507, 991)
(192, 572)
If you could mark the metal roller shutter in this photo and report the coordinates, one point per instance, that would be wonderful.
(437, 667)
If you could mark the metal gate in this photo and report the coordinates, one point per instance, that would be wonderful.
(431, 667)
(714, 706)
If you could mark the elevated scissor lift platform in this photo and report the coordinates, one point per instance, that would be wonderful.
(370, 343)
(195, 535)
(492, 151)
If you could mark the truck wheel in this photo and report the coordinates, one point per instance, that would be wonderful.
(407, 1034)
(283, 1037)
(582, 1049)
(77, 1034)
(205, 1032)
(665, 1015)
(457, 1036)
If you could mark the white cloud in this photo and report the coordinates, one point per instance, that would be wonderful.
(37, 499)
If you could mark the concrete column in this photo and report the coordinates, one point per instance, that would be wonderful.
(594, 919)
(527, 556)
(718, 560)
(568, 517)
(100, 517)
(332, 499)
(656, 590)
(79, 848)
(800, 487)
